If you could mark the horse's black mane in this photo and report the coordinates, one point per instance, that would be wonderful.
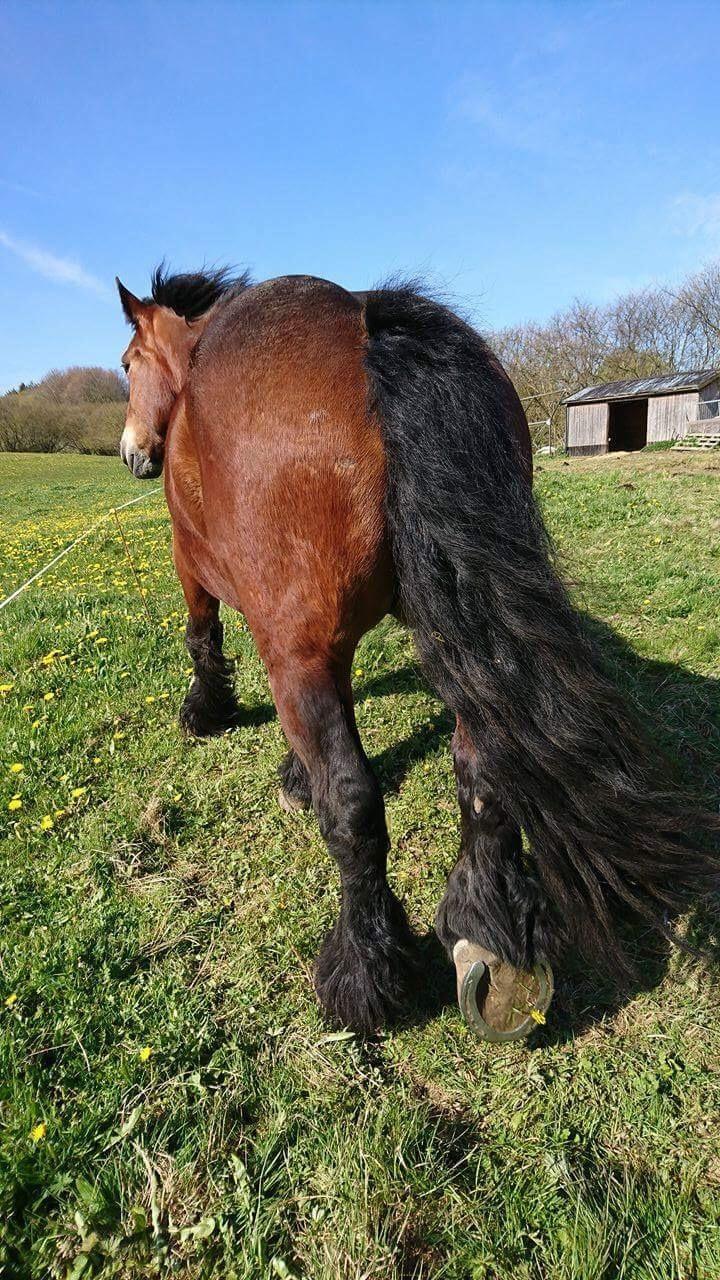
(192, 293)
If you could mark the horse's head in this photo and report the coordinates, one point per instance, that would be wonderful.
(156, 363)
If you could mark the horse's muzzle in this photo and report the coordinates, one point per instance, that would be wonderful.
(142, 466)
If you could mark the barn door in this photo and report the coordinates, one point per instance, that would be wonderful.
(627, 427)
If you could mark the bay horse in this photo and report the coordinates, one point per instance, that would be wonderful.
(331, 457)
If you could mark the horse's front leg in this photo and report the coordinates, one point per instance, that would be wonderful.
(366, 967)
(210, 706)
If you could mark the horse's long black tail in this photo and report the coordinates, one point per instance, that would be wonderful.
(504, 648)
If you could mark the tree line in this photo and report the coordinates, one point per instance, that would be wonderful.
(78, 409)
(645, 332)
(642, 333)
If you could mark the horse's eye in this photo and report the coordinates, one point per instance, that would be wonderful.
(126, 365)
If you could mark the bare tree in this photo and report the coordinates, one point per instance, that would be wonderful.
(641, 334)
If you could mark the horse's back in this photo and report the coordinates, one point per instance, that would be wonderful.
(291, 462)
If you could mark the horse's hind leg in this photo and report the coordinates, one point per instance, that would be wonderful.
(493, 920)
(363, 973)
(210, 705)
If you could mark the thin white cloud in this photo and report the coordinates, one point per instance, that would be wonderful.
(61, 270)
(533, 119)
(518, 124)
(696, 215)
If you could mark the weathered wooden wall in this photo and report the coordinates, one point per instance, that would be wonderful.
(712, 391)
(587, 428)
(668, 416)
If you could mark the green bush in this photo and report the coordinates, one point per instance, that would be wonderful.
(80, 410)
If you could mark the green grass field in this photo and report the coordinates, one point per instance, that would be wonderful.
(170, 1100)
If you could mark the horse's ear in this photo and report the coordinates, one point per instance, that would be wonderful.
(134, 309)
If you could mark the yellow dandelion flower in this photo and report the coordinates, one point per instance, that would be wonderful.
(145, 1053)
(48, 697)
(38, 1131)
(35, 724)
(17, 768)
(150, 698)
(5, 688)
(538, 1017)
(46, 823)
(15, 804)
(77, 792)
(11, 1000)
(60, 813)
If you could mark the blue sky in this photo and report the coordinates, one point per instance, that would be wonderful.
(517, 154)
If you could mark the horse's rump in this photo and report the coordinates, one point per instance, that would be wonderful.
(291, 464)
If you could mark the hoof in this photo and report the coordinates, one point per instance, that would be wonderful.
(203, 722)
(289, 802)
(366, 982)
(498, 1002)
(295, 791)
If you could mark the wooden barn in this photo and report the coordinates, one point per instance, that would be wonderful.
(628, 415)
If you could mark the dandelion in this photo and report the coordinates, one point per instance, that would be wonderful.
(46, 823)
(5, 688)
(38, 1131)
(538, 1017)
(59, 813)
(15, 803)
(145, 1053)
(48, 697)
(77, 792)
(16, 768)
(11, 1000)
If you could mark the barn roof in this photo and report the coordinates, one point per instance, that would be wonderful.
(632, 388)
